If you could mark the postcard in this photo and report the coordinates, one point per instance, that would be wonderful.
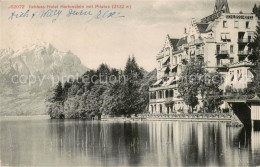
(129, 83)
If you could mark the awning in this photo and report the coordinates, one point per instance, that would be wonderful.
(227, 36)
(223, 36)
(157, 82)
(164, 83)
(171, 79)
(174, 67)
(165, 59)
(164, 69)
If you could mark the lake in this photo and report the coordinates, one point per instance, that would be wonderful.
(40, 141)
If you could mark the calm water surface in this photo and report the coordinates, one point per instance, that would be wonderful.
(40, 141)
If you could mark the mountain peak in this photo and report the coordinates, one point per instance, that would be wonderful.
(42, 57)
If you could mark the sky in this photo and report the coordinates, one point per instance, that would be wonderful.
(141, 32)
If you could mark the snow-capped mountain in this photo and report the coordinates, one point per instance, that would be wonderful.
(38, 60)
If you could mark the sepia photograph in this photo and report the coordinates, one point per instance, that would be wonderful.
(93, 83)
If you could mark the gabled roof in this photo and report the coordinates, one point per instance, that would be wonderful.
(174, 42)
(182, 41)
(202, 27)
(210, 26)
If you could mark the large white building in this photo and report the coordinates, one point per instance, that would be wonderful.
(220, 40)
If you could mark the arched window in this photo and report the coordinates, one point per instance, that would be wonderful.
(171, 93)
(160, 108)
(160, 94)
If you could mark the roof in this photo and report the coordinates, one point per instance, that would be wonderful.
(221, 5)
(157, 82)
(202, 27)
(174, 42)
(210, 26)
(165, 59)
(182, 41)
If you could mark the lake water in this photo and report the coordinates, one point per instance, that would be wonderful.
(40, 141)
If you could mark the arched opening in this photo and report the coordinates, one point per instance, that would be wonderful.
(160, 95)
(167, 93)
(152, 109)
(160, 108)
(171, 93)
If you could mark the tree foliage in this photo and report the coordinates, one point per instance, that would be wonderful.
(255, 57)
(188, 85)
(102, 91)
(196, 82)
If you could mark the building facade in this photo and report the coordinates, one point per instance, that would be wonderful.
(220, 40)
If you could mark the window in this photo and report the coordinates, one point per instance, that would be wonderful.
(247, 24)
(231, 60)
(218, 48)
(225, 37)
(249, 38)
(231, 76)
(236, 24)
(192, 37)
(239, 75)
(231, 48)
(218, 62)
(224, 24)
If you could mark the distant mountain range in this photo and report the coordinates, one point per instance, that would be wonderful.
(41, 60)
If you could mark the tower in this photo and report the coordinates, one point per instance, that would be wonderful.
(221, 5)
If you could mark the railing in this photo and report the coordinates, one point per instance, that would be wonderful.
(199, 52)
(223, 65)
(196, 42)
(169, 99)
(222, 52)
(210, 40)
(244, 52)
(244, 40)
(189, 115)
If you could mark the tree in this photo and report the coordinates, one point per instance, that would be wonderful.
(210, 92)
(131, 92)
(67, 85)
(58, 93)
(188, 85)
(256, 10)
(255, 57)
(255, 45)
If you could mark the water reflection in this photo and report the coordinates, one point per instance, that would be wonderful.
(85, 143)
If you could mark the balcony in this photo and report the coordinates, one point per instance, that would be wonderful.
(222, 67)
(196, 42)
(199, 52)
(244, 53)
(222, 52)
(169, 100)
(245, 40)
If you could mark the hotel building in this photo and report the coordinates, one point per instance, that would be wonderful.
(220, 40)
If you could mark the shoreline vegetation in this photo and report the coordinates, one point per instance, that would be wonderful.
(126, 99)
(105, 91)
